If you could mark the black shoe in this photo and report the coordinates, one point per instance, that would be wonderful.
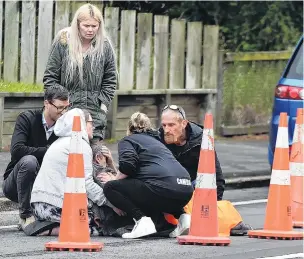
(240, 229)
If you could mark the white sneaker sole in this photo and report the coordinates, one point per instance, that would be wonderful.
(183, 232)
(127, 235)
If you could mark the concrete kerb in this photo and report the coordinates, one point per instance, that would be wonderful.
(255, 176)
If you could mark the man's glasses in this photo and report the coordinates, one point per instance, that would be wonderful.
(61, 108)
(175, 108)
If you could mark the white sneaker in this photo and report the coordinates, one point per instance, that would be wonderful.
(20, 224)
(143, 227)
(25, 222)
(183, 226)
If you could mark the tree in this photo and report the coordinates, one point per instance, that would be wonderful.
(244, 26)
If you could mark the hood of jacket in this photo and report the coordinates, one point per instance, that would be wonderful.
(194, 132)
(64, 125)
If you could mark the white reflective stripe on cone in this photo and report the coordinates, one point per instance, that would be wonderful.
(75, 185)
(76, 143)
(282, 138)
(205, 181)
(208, 140)
(296, 169)
(280, 177)
(298, 135)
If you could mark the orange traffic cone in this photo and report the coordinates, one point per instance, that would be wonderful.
(278, 222)
(74, 233)
(204, 219)
(297, 171)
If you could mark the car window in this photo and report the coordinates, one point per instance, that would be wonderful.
(295, 70)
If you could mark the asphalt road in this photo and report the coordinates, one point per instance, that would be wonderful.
(15, 244)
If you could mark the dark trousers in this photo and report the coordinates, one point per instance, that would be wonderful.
(137, 199)
(18, 185)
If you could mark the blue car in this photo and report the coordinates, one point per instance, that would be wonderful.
(289, 95)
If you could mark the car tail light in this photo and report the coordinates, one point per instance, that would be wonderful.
(289, 92)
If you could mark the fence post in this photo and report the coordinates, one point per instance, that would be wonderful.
(1, 120)
(194, 50)
(161, 38)
(144, 40)
(45, 37)
(27, 60)
(62, 10)
(220, 90)
(11, 41)
(210, 56)
(177, 54)
(127, 50)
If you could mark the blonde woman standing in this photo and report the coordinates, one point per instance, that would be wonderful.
(83, 61)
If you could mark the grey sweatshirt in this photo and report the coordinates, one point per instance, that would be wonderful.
(50, 181)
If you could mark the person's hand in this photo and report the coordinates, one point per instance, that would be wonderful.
(119, 212)
(104, 177)
(107, 154)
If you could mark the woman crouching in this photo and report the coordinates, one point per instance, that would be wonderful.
(48, 190)
(150, 180)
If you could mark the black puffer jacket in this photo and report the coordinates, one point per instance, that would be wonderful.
(188, 155)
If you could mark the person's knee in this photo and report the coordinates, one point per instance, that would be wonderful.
(107, 188)
(29, 164)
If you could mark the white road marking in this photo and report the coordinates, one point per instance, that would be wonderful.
(10, 212)
(238, 203)
(8, 227)
(299, 255)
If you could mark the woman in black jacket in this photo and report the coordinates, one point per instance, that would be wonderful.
(150, 180)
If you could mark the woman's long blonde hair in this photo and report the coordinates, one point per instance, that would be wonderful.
(75, 55)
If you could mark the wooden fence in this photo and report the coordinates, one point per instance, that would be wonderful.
(160, 61)
(153, 52)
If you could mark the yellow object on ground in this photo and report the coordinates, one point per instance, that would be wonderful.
(228, 216)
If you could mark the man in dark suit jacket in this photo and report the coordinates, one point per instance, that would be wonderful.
(33, 134)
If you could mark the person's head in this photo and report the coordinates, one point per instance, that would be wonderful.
(88, 22)
(56, 102)
(65, 124)
(139, 123)
(98, 156)
(174, 122)
(89, 123)
(87, 26)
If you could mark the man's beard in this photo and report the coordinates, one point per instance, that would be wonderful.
(170, 139)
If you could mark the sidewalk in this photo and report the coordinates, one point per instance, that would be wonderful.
(241, 161)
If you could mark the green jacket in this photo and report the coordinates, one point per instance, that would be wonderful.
(99, 83)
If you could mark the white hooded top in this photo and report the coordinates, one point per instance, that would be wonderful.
(50, 181)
